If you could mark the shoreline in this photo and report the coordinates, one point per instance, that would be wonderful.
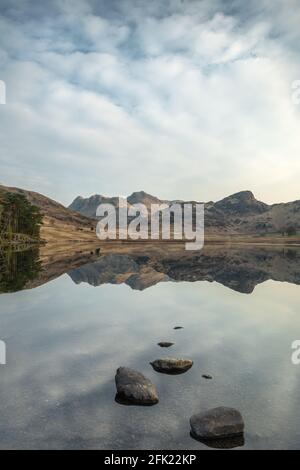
(65, 245)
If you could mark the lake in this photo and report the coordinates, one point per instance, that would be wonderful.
(69, 322)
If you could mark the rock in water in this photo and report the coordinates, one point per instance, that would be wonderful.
(134, 388)
(170, 365)
(223, 442)
(217, 423)
(178, 327)
(165, 344)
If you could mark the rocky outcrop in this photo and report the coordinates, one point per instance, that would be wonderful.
(134, 388)
(141, 197)
(88, 206)
(241, 204)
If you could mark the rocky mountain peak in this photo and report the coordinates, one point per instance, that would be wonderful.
(143, 198)
(242, 203)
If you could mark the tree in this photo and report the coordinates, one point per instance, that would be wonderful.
(291, 230)
(18, 216)
(18, 268)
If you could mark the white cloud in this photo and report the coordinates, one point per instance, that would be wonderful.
(193, 103)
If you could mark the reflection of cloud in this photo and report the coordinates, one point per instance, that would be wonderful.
(175, 96)
(65, 343)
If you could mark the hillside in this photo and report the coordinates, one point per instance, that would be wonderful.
(20, 221)
(240, 213)
(59, 223)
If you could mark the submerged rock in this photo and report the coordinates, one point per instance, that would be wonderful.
(170, 365)
(207, 376)
(223, 442)
(217, 423)
(165, 344)
(134, 388)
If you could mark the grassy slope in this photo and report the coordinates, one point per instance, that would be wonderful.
(59, 224)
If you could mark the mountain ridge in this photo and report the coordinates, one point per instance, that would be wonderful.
(235, 215)
(239, 213)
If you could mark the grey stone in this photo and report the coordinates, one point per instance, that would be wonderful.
(217, 423)
(170, 365)
(165, 344)
(134, 388)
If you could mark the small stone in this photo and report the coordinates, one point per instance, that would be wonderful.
(165, 344)
(134, 388)
(170, 365)
(217, 423)
(207, 376)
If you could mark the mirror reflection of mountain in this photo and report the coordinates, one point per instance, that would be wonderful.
(239, 268)
(135, 271)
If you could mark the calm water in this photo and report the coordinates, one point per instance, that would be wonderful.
(66, 338)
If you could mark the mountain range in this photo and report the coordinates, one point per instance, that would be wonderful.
(236, 215)
(240, 213)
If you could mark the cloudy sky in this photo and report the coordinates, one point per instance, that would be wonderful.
(187, 99)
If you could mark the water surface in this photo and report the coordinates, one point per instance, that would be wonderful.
(67, 335)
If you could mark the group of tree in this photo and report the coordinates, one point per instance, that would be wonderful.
(18, 216)
(17, 268)
(289, 231)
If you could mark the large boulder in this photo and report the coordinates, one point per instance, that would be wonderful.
(170, 365)
(134, 388)
(217, 423)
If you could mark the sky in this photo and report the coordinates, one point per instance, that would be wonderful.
(184, 99)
